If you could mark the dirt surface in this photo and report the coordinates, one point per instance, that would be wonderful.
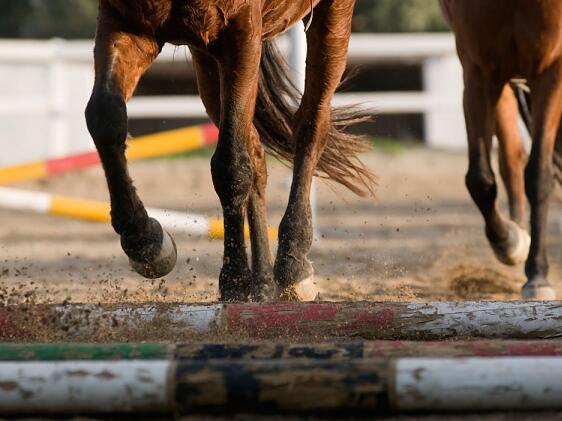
(421, 238)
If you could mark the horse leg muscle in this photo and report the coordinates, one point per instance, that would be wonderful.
(512, 155)
(120, 59)
(328, 39)
(546, 94)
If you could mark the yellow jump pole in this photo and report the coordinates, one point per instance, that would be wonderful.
(90, 210)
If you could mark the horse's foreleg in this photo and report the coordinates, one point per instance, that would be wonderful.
(512, 155)
(546, 95)
(238, 54)
(120, 59)
(509, 242)
(328, 39)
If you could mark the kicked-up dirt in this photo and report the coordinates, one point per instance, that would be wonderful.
(421, 238)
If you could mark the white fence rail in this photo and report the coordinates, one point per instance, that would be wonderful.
(46, 84)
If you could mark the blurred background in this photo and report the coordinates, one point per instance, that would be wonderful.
(412, 82)
(420, 238)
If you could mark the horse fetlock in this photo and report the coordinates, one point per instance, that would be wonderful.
(305, 290)
(289, 269)
(234, 283)
(152, 253)
(538, 288)
(515, 248)
(264, 288)
(295, 232)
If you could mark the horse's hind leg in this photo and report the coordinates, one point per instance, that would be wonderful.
(328, 39)
(509, 242)
(263, 286)
(512, 155)
(120, 59)
(546, 95)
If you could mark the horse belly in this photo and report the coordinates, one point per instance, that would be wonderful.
(279, 15)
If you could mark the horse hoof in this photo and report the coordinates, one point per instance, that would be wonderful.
(162, 264)
(304, 290)
(264, 290)
(516, 249)
(538, 289)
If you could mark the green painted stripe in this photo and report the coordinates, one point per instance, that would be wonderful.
(59, 352)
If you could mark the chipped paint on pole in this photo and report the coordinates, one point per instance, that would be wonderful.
(517, 383)
(83, 387)
(268, 350)
(366, 320)
(279, 386)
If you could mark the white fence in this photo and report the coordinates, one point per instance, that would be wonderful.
(45, 85)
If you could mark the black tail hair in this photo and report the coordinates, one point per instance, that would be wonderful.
(277, 102)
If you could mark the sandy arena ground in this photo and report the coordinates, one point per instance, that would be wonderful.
(420, 239)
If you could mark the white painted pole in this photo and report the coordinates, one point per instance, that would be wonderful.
(477, 384)
(45, 203)
(84, 387)
(297, 66)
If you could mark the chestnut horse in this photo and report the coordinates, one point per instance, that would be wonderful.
(498, 41)
(247, 93)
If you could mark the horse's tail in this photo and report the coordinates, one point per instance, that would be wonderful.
(277, 101)
(524, 102)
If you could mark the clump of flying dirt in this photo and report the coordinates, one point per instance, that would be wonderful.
(402, 292)
(472, 283)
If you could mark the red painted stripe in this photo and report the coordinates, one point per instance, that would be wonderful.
(476, 348)
(279, 319)
(70, 163)
(372, 317)
(210, 134)
(12, 327)
(361, 319)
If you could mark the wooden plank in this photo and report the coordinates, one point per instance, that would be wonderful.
(477, 384)
(83, 387)
(312, 322)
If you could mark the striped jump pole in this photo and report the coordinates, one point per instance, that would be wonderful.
(91, 210)
(268, 350)
(372, 387)
(143, 147)
(367, 320)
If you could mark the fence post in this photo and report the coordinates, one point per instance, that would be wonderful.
(444, 121)
(58, 100)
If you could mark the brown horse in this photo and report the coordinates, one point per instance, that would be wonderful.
(248, 94)
(498, 41)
